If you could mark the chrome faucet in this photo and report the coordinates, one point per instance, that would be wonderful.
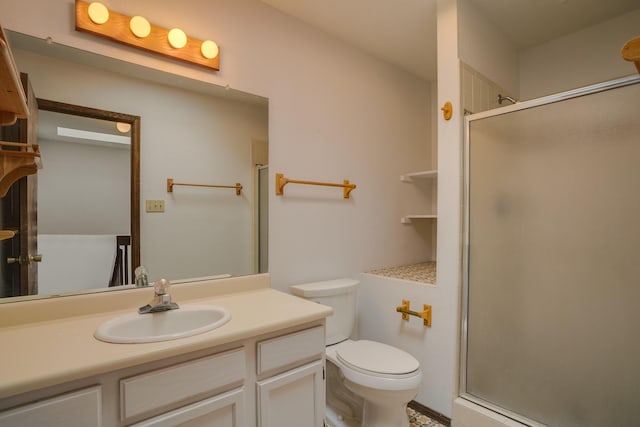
(161, 300)
(141, 277)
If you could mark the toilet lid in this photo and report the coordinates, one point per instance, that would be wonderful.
(376, 357)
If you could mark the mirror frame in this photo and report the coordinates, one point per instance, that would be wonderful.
(134, 121)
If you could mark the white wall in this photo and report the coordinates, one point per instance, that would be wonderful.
(583, 58)
(579, 59)
(433, 346)
(83, 189)
(335, 113)
(443, 344)
(486, 49)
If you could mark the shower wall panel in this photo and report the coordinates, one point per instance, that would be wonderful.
(553, 261)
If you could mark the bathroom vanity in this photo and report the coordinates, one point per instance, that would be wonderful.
(265, 367)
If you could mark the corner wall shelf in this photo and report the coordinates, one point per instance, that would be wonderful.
(409, 218)
(412, 178)
(409, 177)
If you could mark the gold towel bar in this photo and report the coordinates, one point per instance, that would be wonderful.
(406, 312)
(170, 185)
(281, 181)
(7, 234)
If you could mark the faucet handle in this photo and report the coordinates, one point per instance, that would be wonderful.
(161, 287)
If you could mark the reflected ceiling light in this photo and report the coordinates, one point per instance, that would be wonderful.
(98, 13)
(177, 38)
(145, 35)
(123, 127)
(140, 27)
(93, 136)
(209, 49)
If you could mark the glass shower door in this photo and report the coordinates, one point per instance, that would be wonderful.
(552, 263)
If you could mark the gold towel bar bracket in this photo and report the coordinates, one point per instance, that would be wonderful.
(171, 184)
(425, 315)
(281, 181)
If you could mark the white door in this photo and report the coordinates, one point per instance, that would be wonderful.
(293, 399)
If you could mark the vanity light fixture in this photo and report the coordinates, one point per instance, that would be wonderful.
(97, 19)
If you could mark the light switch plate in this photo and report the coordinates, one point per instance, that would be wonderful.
(155, 205)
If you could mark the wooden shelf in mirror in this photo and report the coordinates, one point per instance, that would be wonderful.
(17, 160)
(13, 102)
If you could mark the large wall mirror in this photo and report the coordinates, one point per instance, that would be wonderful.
(190, 131)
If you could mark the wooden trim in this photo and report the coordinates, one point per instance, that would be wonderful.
(134, 121)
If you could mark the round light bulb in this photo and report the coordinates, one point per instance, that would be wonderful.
(123, 127)
(140, 27)
(209, 49)
(177, 38)
(98, 13)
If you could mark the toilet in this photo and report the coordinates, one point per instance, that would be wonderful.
(383, 378)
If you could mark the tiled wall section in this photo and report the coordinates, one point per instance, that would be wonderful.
(479, 93)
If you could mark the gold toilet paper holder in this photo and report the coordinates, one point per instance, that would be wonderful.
(406, 311)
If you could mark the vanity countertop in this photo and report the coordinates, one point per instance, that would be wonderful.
(52, 351)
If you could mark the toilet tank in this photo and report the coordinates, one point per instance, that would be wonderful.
(340, 295)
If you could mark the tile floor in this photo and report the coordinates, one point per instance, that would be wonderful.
(416, 419)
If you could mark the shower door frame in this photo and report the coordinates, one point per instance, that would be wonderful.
(584, 91)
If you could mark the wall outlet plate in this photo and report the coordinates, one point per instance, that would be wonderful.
(155, 205)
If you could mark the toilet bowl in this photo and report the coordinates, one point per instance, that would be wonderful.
(384, 377)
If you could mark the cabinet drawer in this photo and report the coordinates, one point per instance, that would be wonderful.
(79, 408)
(224, 410)
(160, 389)
(291, 349)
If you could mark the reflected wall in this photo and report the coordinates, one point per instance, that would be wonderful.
(187, 135)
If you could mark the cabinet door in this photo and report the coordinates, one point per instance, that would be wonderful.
(224, 410)
(80, 408)
(293, 399)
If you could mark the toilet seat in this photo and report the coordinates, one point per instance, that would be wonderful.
(343, 355)
(375, 358)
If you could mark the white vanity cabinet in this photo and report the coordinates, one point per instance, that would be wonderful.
(290, 386)
(225, 410)
(271, 380)
(78, 408)
(151, 392)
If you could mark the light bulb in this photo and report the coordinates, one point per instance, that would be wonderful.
(123, 127)
(209, 49)
(140, 27)
(177, 38)
(98, 13)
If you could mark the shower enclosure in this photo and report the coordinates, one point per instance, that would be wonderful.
(551, 316)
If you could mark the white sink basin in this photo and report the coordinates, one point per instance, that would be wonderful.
(183, 322)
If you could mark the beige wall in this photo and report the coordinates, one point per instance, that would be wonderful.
(335, 113)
